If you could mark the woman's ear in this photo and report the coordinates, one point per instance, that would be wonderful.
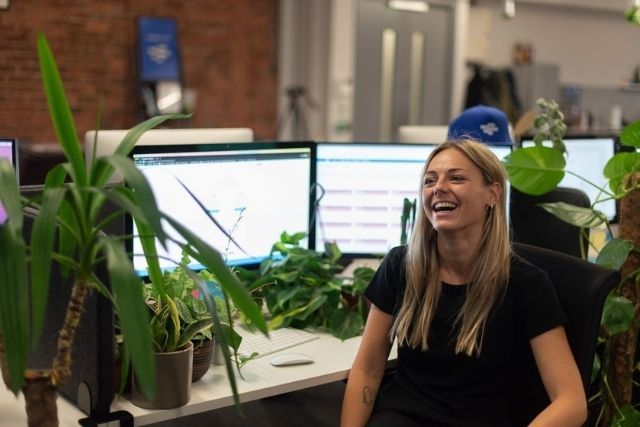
(495, 192)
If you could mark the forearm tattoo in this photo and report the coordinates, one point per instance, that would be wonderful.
(368, 395)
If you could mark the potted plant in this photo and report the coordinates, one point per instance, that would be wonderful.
(176, 316)
(193, 321)
(301, 288)
(537, 170)
(74, 196)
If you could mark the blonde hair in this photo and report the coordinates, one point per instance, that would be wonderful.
(489, 275)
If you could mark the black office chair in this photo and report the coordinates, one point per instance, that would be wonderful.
(582, 288)
(533, 225)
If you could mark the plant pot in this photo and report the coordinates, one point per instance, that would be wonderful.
(202, 358)
(173, 381)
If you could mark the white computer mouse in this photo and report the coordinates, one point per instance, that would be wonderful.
(286, 359)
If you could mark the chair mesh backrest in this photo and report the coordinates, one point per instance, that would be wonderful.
(533, 225)
(91, 385)
(582, 288)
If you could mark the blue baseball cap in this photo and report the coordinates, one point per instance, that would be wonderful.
(481, 123)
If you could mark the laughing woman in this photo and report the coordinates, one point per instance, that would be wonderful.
(460, 304)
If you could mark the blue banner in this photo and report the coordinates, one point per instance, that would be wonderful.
(160, 59)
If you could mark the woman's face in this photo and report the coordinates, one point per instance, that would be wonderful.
(455, 195)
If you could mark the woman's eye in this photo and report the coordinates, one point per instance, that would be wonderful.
(429, 182)
(457, 178)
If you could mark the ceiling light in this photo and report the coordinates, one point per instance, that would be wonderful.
(408, 5)
(509, 10)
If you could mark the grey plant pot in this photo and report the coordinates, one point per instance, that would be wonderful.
(173, 381)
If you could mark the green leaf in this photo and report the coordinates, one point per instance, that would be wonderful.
(627, 417)
(132, 313)
(10, 196)
(617, 314)
(143, 193)
(56, 176)
(67, 239)
(148, 242)
(332, 251)
(618, 167)
(316, 302)
(212, 260)
(535, 170)
(42, 242)
(60, 112)
(614, 253)
(346, 324)
(14, 303)
(575, 215)
(192, 329)
(101, 172)
(292, 239)
(630, 135)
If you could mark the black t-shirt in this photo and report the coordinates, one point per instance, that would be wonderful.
(439, 387)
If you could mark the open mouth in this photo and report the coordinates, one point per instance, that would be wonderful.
(443, 206)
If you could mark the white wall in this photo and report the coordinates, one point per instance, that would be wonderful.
(304, 52)
(592, 42)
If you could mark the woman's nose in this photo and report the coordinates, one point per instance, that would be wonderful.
(439, 187)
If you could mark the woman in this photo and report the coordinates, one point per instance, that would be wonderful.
(460, 305)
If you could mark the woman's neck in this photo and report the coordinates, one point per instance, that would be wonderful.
(457, 258)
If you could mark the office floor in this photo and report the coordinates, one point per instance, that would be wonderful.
(314, 407)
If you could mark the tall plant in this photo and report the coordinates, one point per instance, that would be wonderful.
(538, 170)
(67, 231)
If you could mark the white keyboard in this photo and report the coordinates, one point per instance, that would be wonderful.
(278, 339)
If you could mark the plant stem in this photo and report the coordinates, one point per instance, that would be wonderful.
(62, 362)
(40, 399)
(602, 190)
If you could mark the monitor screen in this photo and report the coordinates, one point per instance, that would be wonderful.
(362, 190)
(255, 191)
(8, 150)
(587, 156)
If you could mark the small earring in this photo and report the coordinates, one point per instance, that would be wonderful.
(489, 207)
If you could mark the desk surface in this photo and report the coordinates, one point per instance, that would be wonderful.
(332, 361)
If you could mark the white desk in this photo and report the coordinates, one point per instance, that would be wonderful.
(13, 413)
(332, 361)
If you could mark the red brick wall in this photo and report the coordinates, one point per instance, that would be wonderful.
(229, 56)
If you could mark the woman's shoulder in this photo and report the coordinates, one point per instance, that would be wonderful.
(523, 272)
(397, 252)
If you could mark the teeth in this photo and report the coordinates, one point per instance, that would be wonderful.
(444, 205)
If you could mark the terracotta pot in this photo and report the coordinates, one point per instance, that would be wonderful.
(173, 381)
(202, 358)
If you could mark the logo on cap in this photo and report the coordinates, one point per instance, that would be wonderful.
(489, 128)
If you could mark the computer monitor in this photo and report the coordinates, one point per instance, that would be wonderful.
(361, 191)
(255, 191)
(587, 156)
(8, 150)
(108, 140)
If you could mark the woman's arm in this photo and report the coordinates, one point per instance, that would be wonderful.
(561, 380)
(367, 370)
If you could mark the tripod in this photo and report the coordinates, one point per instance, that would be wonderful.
(294, 115)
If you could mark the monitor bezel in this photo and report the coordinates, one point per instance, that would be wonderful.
(14, 155)
(233, 146)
